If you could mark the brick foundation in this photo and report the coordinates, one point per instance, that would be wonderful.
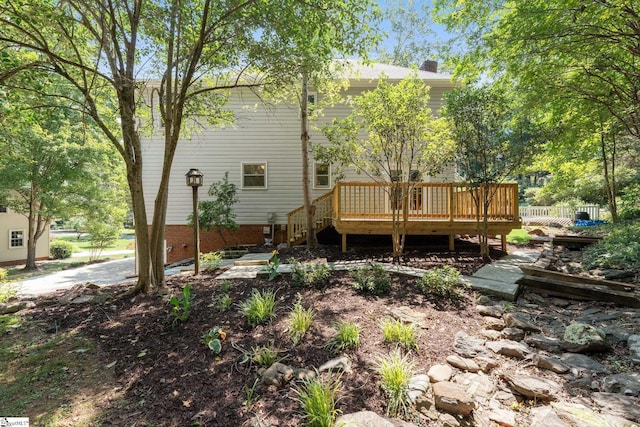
(180, 239)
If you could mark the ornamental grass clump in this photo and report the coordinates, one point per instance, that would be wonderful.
(259, 307)
(396, 331)
(300, 320)
(314, 275)
(318, 399)
(396, 372)
(347, 337)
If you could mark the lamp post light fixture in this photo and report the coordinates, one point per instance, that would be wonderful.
(194, 180)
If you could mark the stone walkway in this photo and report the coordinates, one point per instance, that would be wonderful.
(498, 278)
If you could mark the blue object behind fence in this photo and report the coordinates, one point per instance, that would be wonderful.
(588, 222)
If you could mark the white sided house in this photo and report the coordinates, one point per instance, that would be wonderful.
(261, 152)
(14, 232)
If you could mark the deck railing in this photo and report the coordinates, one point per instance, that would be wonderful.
(297, 223)
(425, 201)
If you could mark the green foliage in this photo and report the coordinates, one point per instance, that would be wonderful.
(181, 306)
(211, 260)
(218, 214)
(265, 356)
(300, 320)
(396, 371)
(372, 278)
(60, 249)
(619, 249)
(318, 398)
(441, 282)
(223, 303)
(396, 331)
(347, 337)
(259, 307)
(7, 291)
(518, 235)
(250, 393)
(629, 207)
(213, 339)
(272, 267)
(225, 286)
(102, 234)
(310, 274)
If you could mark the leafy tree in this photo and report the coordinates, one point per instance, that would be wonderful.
(402, 139)
(51, 164)
(492, 143)
(218, 214)
(198, 49)
(574, 62)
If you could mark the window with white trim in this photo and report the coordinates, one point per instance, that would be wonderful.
(321, 175)
(16, 238)
(254, 175)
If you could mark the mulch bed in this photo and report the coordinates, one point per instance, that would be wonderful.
(170, 377)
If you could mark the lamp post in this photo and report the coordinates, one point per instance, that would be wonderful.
(194, 180)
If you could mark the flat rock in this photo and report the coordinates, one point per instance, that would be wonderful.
(584, 338)
(552, 364)
(634, 347)
(537, 388)
(468, 346)
(517, 320)
(465, 364)
(409, 315)
(552, 345)
(503, 417)
(448, 420)
(340, 364)
(618, 405)
(582, 363)
(582, 416)
(545, 416)
(277, 374)
(480, 387)
(491, 334)
(513, 334)
(625, 383)
(438, 373)
(491, 310)
(493, 323)
(509, 348)
(368, 419)
(452, 398)
(417, 387)
(15, 306)
(486, 363)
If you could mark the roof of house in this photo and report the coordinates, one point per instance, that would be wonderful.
(365, 73)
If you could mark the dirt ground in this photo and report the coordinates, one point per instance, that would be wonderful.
(165, 375)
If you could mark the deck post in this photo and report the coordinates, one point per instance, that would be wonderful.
(344, 243)
(451, 243)
(503, 239)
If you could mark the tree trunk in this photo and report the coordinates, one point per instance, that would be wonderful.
(309, 209)
(609, 176)
(30, 263)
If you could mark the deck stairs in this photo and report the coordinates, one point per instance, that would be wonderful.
(296, 222)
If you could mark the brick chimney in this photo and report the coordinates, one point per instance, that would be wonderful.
(429, 65)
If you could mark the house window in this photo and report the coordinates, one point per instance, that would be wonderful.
(16, 238)
(321, 175)
(254, 175)
(3, 209)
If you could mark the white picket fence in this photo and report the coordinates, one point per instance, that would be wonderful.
(560, 212)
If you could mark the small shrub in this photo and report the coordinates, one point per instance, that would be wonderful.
(259, 307)
(629, 206)
(395, 331)
(225, 287)
(211, 261)
(223, 302)
(441, 282)
(181, 306)
(264, 356)
(213, 339)
(619, 249)
(300, 320)
(372, 279)
(60, 249)
(396, 371)
(310, 274)
(348, 337)
(318, 399)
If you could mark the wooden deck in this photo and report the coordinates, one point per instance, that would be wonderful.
(432, 209)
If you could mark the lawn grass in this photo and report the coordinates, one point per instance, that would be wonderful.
(518, 235)
(54, 379)
(83, 244)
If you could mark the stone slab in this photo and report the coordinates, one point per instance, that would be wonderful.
(259, 258)
(501, 272)
(508, 291)
(241, 272)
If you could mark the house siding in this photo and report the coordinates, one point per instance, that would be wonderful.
(14, 221)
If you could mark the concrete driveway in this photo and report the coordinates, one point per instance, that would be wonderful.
(102, 274)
